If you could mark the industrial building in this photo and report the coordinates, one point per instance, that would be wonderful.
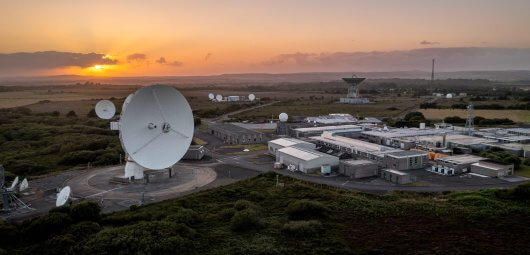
(305, 160)
(405, 160)
(396, 176)
(516, 149)
(232, 134)
(396, 137)
(280, 143)
(343, 130)
(519, 131)
(359, 168)
(195, 152)
(455, 164)
(354, 147)
(492, 168)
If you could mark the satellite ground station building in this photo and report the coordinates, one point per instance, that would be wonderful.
(233, 134)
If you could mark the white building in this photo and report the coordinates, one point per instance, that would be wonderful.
(281, 143)
(304, 160)
(344, 130)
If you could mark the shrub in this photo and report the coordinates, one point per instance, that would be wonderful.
(185, 216)
(245, 220)
(302, 228)
(243, 204)
(71, 114)
(226, 214)
(49, 225)
(88, 211)
(83, 229)
(303, 209)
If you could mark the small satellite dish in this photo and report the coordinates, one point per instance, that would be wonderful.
(251, 97)
(126, 102)
(211, 96)
(63, 196)
(105, 109)
(24, 185)
(14, 184)
(2, 176)
(219, 98)
(283, 117)
(246, 150)
(157, 128)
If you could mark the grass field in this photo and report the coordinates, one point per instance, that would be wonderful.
(515, 115)
(256, 217)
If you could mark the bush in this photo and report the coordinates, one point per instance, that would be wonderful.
(302, 228)
(49, 225)
(78, 157)
(185, 216)
(522, 193)
(527, 162)
(71, 114)
(304, 209)
(85, 211)
(243, 204)
(83, 229)
(245, 220)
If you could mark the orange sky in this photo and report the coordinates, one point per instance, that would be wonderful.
(212, 37)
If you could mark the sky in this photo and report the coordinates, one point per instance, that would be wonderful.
(148, 38)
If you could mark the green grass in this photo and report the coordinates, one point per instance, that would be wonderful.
(255, 217)
(250, 147)
(523, 170)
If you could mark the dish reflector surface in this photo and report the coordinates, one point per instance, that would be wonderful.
(283, 117)
(14, 183)
(105, 109)
(211, 96)
(157, 128)
(126, 102)
(251, 97)
(23, 185)
(63, 196)
(219, 97)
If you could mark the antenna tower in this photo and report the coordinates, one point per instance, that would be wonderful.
(469, 121)
(432, 72)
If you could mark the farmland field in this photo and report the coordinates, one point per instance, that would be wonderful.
(515, 115)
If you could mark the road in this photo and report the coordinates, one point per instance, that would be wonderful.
(226, 115)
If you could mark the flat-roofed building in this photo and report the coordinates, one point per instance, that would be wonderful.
(358, 168)
(453, 141)
(516, 149)
(396, 176)
(232, 134)
(343, 130)
(280, 143)
(492, 168)
(354, 147)
(195, 152)
(455, 164)
(305, 160)
(406, 160)
(519, 131)
(397, 137)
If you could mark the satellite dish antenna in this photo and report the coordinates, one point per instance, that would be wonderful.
(283, 117)
(105, 109)
(251, 97)
(126, 102)
(2, 176)
(24, 185)
(14, 184)
(219, 98)
(211, 96)
(63, 196)
(157, 127)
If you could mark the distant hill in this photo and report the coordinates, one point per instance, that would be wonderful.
(263, 78)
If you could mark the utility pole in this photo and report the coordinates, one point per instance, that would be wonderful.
(432, 73)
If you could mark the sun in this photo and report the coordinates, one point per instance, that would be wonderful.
(98, 67)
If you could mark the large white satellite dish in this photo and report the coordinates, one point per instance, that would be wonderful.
(251, 97)
(283, 117)
(105, 109)
(14, 184)
(63, 196)
(24, 185)
(156, 129)
(219, 98)
(211, 96)
(126, 102)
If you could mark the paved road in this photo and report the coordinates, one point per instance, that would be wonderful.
(226, 116)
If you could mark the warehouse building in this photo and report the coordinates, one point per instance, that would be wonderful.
(305, 160)
(343, 130)
(519, 131)
(233, 134)
(195, 152)
(280, 143)
(492, 168)
(406, 160)
(455, 164)
(359, 168)
(397, 137)
(397, 177)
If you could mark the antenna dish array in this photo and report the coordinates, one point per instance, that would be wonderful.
(211, 96)
(219, 98)
(251, 97)
(283, 117)
(24, 185)
(105, 109)
(63, 196)
(13, 184)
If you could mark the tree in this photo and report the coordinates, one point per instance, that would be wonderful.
(71, 114)
(92, 113)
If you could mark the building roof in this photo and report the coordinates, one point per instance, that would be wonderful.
(231, 128)
(462, 159)
(355, 144)
(358, 162)
(491, 165)
(507, 146)
(287, 142)
(329, 128)
(256, 126)
(463, 140)
(404, 132)
(525, 131)
(303, 154)
(400, 154)
(396, 172)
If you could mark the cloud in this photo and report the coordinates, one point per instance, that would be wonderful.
(448, 59)
(208, 56)
(52, 59)
(136, 57)
(428, 43)
(161, 60)
(175, 63)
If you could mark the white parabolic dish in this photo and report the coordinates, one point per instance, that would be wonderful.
(105, 109)
(211, 96)
(251, 97)
(126, 102)
(219, 98)
(156, 129)
(283, 117)
(63, 196)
